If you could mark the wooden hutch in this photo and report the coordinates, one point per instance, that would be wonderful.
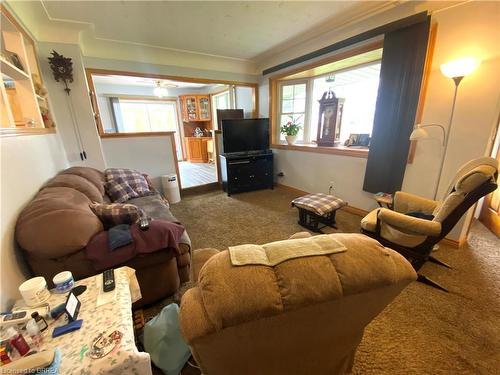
(197, 113)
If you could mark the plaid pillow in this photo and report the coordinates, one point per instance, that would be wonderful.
(119, 190)
(134, 179)
(116, 213)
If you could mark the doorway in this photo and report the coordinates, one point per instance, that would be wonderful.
(136, 105)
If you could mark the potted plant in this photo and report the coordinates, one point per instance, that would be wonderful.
(291, 129)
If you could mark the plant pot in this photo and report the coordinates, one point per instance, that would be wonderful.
(290, 139)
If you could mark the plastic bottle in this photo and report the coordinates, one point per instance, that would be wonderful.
(34, 332)
(17, 341)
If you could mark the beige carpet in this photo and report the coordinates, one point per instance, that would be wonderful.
(424, 331)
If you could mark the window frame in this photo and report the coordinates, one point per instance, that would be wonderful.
(275, 100)
(306, 108)
(144, 100)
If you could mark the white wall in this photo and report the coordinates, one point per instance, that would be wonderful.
(151, 155)
(80, 100)
(478, 100)
(26, 163)
(475, 117)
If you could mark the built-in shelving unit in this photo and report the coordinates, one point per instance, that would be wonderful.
(23, 98)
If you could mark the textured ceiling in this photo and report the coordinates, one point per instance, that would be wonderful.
(242, 30)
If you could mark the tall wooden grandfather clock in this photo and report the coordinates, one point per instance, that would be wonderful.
(329, 119)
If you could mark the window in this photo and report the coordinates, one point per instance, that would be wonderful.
(356, 87)
(222, 100)
(138, 116)
(293, 106)
(142, 116)
(353, 78)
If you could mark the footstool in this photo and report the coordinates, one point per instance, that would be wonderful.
(318, 208)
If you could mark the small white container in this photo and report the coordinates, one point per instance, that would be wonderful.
(34, 291)
(63, 281)
(171, 188)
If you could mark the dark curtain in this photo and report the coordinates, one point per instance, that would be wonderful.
(401, 73)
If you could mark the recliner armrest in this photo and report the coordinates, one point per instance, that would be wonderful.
(407, 223)
(406, 202)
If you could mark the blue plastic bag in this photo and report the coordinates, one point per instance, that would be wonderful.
(164, 343)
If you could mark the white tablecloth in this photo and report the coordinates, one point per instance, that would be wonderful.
(116, 315)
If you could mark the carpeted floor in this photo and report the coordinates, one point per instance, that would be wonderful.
(424, 331)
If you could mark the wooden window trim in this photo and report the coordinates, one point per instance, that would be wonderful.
(274, 96)
(337, 150)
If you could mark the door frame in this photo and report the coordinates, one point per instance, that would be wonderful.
(89, 72)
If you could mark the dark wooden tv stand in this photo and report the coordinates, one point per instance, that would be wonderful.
(245, 172)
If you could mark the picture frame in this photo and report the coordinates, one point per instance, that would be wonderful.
(358, 139)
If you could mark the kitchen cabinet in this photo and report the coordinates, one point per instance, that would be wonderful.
(197, 150)
(195, 107)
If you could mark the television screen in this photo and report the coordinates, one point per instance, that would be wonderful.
(239, 135)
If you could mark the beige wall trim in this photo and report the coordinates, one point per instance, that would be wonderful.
(355, 211)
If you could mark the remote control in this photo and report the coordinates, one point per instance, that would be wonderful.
(108, 280)
(144, 224)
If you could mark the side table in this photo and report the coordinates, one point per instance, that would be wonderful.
(114, 315)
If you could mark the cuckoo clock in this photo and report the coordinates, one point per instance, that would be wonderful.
(330, 119)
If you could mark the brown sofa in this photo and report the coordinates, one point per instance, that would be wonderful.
(302, 316)
(55, 227)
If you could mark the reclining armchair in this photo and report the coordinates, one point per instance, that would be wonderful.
(416, 224)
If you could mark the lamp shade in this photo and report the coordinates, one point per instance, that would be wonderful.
(459, 68)
(418, 133)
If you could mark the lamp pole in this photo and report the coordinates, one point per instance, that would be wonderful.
(457, 81)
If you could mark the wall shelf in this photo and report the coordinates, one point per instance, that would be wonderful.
(21, 104)
(12, 71)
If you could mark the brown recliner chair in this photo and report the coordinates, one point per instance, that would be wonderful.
(302, 316)
(415, 237)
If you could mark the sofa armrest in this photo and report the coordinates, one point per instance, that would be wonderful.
(406, 202)
(407, 223)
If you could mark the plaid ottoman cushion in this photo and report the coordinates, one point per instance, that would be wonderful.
(119, 190)
(116, 213)
(319, 203)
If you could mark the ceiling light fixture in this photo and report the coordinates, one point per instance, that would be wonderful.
(160, 91)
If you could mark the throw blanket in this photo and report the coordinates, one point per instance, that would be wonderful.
(275, 253)
(160, 235)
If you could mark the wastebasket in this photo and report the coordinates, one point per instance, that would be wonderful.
(171, 188)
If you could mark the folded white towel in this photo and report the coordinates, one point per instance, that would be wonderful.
(275, 253)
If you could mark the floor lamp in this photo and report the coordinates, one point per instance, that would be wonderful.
(455, 70)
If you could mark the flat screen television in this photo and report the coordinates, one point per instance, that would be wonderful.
(245, 135)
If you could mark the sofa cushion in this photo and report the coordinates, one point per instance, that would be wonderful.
(95, 176)
(58, 221)
(134, 179)
(76, 182)
(119, 190)
(116, 213)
